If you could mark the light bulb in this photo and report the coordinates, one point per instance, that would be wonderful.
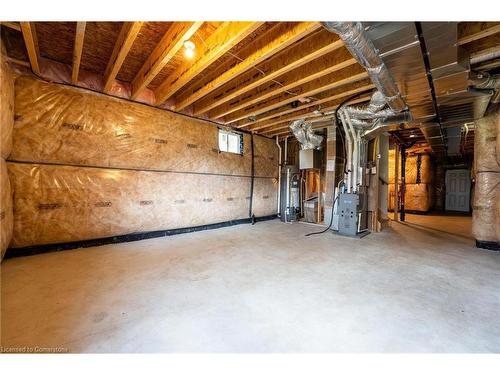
(189, 49)
(189, 53)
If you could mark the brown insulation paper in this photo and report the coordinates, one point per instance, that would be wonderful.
(485, 144)
(392, 161)
(411, 169)
(418, 197)
(484, 210)
(6, 219)
(6, 107)
(55, 204)
(65, 125)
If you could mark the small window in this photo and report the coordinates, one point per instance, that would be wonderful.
(230, 142)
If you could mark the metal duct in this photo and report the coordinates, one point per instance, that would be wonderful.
(304, 133)
(458, 103)
(485, 81)
(361, 47)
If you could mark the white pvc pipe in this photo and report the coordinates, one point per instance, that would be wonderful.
(349, 151)
(355, 155)
(279, 177)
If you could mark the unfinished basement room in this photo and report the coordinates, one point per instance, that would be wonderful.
(250, 187)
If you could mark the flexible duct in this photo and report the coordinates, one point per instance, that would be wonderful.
(361, 47)
(304, 133)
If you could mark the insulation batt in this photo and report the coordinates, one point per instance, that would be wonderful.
(56, 204)
(418, 197)
(411, 169)
(485, 216)
(65, 125)
(6, 217)
(486, 132)
(6, 107)
(86, 166)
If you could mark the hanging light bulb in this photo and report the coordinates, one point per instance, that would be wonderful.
(189, 49)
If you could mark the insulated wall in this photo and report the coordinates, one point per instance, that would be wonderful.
(86, 166)
(6, 124)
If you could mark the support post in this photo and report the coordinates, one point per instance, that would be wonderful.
(396, 181)
(403, 183)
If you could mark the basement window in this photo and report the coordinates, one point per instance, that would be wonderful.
(230, 141)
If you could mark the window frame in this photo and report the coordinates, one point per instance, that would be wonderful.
(229, 132)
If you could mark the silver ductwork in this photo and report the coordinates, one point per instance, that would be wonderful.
(485, 81)
(361, 47)
(304, 133)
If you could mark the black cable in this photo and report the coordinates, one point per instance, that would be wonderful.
(331, 219)
(337, 122)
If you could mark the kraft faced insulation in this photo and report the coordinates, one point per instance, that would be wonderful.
(6, 107)
(418, 197)
(6, 125)
(111, 167)
(6, 216)
(412, 168)
(65, 125)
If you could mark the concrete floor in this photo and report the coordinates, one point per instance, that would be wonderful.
(262, 288)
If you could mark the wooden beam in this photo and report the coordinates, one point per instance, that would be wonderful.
(311, 116)
(286, 129)
(283, 64)
(222, 40)
(308, 112)
(359, 86)
(472, 31)
(18, 62)
(77, 50)
(30, 40)
(166, 49)
(315, 70)
(126, 38)
(263, 48)
(348, 75)
(11, 25)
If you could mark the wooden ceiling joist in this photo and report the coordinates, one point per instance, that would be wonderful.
(31, 43)
(311, 116)
(280, 66)
(308, 111)
(126, 38)
(317, 69)
(274, 117)
(11, 25)
(343, 77)
(77, 50)
(221, 41)
(163, 53)
(472, 31)
(264, 48)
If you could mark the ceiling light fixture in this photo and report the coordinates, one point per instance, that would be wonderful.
(189, 49)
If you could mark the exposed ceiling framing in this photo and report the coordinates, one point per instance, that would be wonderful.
(255, 76)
